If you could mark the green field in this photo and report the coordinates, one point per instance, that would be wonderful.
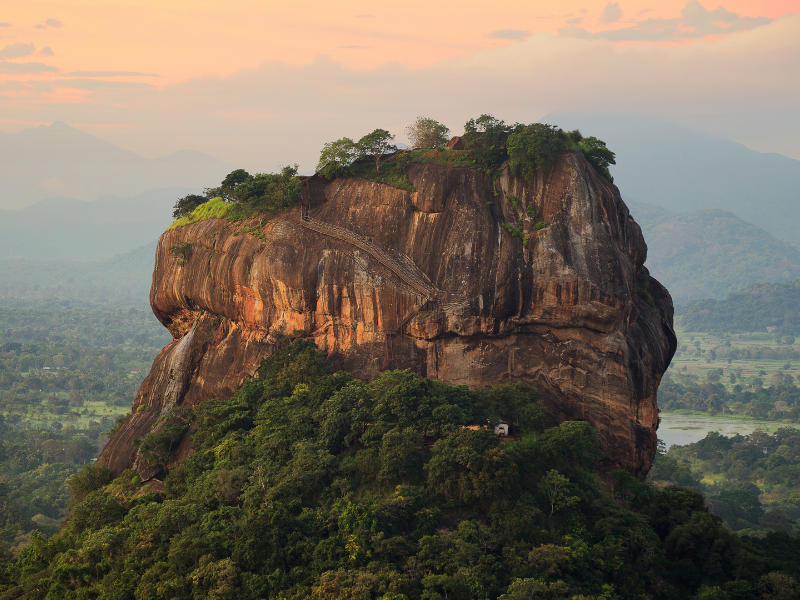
(68, 370)
(748, 375)
(766, 358)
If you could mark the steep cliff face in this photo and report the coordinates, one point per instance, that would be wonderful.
(567, 307)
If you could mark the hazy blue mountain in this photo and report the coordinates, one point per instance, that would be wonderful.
(67, 229)
(59, 160)
(122, 280)
(758, 307)
(710, 253)
(679, 169)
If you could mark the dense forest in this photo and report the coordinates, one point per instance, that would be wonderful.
(74, 322)
(59, 395)
(758, 307)
(750, 375)
(311, 484)
(774, 402)
(121, 281)
(76, 340)
(736, 473)
(728, 363)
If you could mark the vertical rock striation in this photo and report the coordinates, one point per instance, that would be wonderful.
(566, 306)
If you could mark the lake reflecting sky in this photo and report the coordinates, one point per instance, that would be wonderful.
(686, 429)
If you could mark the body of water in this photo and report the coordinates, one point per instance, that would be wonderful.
(687, 429)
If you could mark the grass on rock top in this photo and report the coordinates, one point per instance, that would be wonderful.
(213, 209)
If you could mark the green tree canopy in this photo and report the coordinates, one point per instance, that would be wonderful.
(427, 133)
(336, 158)
(598, 155)
(187, 204)
(227, 189)
(311, 484)
(270, 191)
(258, 193)
(487, 137)
(376, 144)
(533, 148)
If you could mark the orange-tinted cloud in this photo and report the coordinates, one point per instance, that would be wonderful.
(184, 39)
(509, 34)
(234, 79)
(695, 21)
(18, 50)
(611, 13)
(26, 68)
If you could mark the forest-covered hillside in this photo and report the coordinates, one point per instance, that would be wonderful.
(772, 307)
(311, 484)
(710, 253)
(751, 482)
(68, 369)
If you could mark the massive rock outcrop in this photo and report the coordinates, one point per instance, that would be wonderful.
(567, 306)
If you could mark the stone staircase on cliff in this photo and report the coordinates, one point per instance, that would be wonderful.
(404, 272)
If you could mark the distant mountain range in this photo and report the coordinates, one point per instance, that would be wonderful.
(59, 160)
(122, 281)
(67, 229)
(664, 164)
(762, 307)
(710, 253)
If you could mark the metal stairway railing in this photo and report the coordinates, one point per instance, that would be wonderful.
(411, 279)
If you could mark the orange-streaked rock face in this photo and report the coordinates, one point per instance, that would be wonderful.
(561, 312)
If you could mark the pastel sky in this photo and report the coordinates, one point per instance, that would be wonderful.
(260, 84)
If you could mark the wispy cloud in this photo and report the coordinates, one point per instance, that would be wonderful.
(18, 50)
(353, 47)
(36, 87)
(611, 13)
(27, 68)
(574, 31)
(111, 74)
(5, 24)
(509, 34)
(695, 22)
(13, 86)
(46, 51)
(365, 16)
(94, 85)
(54, 23)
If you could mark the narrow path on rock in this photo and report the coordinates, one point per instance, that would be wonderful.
(403, 272)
